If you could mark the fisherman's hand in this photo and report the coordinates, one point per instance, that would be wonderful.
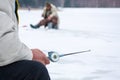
(40, 56)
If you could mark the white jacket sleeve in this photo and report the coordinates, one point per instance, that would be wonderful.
(11, 48)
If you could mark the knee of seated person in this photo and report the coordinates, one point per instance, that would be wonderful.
(40, 70)
(38, 65)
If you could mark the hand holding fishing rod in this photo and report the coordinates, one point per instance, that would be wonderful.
(54, 56)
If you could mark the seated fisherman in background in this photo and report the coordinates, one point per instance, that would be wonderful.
(50, 16)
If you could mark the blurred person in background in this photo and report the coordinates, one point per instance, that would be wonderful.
(50, 15)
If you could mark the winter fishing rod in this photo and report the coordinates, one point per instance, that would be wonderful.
(54, 56)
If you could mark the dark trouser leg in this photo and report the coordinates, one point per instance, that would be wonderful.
(24, 70)
(42, 22)
(55, 22)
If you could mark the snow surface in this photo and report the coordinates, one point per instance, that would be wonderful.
(97, 29)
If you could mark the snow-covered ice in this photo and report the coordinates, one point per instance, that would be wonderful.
(97, 29)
